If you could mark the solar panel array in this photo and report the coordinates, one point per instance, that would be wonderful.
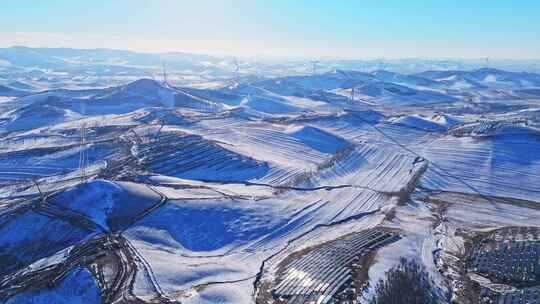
(510, 255)
(319, 276)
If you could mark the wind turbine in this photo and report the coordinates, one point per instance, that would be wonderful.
(384, 65)
(314, 66)
(236, 69)
(164, 75)
(257, 66)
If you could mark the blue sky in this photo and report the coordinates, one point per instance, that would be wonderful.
(361, 28)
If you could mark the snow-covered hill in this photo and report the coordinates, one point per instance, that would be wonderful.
(167, 191)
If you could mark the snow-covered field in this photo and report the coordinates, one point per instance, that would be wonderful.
(195, 193)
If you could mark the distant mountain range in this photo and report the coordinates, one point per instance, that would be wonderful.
(62, 58)
(104, 61)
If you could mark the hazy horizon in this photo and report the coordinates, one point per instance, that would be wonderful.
(370, 29)
(276, 57)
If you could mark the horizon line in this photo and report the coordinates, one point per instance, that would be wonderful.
(286, 57)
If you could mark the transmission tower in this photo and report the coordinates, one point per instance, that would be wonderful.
(41, 196)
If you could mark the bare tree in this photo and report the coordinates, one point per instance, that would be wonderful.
(406, 283)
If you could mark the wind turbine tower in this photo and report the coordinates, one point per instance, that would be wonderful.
(236, 69)
(164, 76)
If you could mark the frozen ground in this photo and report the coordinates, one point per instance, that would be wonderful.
(194, 192)
(77, 287)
